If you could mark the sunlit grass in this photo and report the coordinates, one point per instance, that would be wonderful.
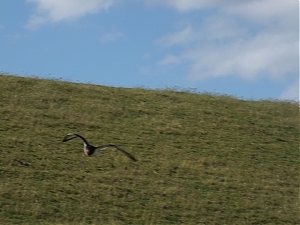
(202, 159)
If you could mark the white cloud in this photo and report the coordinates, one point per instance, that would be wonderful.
(291, 93)
(188, 5)
(35, 21)
(110, 37)
(16, 36)
(170, 59)
(248, 39)
(184, 36)
(183, 5)
(263, 11)
(58, 10)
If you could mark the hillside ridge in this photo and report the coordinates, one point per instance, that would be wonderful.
(202, 158)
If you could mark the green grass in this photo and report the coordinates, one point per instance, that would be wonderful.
(202, 159)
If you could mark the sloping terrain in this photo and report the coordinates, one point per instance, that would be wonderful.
(202, 159)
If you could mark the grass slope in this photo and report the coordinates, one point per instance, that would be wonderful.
(202, 159)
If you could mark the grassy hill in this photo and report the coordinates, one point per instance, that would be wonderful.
(202, 159)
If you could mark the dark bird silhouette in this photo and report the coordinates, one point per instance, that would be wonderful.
(91, 150)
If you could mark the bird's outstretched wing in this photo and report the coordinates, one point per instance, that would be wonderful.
(68, 137)
(118, 148)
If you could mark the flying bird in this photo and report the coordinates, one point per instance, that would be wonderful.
(91, 150)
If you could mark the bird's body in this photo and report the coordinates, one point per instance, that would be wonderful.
(91, 150)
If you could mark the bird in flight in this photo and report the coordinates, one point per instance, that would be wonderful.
(91, 150)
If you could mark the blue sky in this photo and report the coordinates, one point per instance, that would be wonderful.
(248, 49)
